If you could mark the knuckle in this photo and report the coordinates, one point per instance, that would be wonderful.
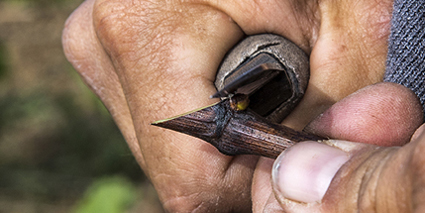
(74, 27)
(132, 29)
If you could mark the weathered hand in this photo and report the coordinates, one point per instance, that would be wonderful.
(149, 60)
(373, 178)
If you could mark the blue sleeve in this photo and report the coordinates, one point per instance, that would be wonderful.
(406, 50)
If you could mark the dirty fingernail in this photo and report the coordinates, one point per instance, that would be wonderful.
(304, 172)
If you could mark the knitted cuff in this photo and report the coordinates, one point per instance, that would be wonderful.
(406, 50)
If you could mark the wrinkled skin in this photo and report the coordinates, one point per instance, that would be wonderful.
(148, 60)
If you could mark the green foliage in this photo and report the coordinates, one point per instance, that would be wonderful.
(107, 195)
(56, 136)
(55, 143)
(3, 59)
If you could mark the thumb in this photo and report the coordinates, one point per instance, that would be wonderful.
(304, 172)
(342, 176)
(336, 175)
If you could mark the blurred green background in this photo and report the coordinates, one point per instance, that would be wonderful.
(59, 148)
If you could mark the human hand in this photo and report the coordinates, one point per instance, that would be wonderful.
(149, 60)
(365, 177)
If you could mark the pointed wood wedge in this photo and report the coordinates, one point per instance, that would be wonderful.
(234, 132)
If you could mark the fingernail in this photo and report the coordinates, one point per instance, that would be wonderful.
(420, 132)
(304, 171)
